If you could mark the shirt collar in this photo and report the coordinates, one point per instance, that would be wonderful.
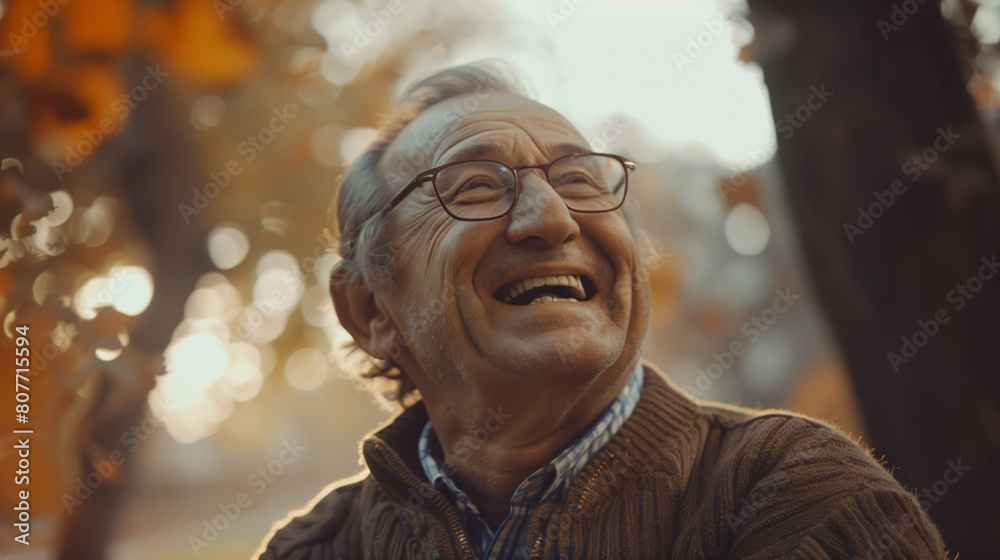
(550, 482)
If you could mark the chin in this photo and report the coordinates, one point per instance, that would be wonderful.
(560, 354)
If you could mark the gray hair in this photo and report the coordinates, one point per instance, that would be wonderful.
(367, 253)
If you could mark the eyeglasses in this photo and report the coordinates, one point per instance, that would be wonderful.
(482, 189)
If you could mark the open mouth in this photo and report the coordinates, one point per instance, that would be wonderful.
(547, 289)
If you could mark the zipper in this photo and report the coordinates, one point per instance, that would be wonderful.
(451, 517)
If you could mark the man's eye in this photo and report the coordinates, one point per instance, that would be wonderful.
(475, 184)
(576, 178)
(579, 185)
(478, 189)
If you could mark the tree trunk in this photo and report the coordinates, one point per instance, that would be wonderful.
(873, 113)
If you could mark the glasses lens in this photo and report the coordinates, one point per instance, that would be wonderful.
(589, 183)
(476, 190)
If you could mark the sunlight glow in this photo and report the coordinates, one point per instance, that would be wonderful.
(133, 290)
(198, 360)
(669, 68)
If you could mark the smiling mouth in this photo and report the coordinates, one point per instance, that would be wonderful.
(547, 289)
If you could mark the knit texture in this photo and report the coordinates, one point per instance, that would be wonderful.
(681, 479)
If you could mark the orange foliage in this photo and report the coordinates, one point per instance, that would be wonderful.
(31, 44)
(200, 46)
(106, 30)
(65, 57)
(664, 285)
(825, 391)
(984, 95)
(91, 89)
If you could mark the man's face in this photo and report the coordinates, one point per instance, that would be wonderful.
(453, 277)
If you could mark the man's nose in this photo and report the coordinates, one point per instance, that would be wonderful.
(540, 216)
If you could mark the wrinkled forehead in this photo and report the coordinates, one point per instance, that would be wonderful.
(501, 126)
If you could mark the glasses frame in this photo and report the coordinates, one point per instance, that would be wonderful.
(431, 175)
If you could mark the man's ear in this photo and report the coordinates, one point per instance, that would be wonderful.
(354, 302)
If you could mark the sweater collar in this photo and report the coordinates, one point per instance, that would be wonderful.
(661, 426)
(548, 484)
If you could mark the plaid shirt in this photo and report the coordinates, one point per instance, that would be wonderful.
(548, 484)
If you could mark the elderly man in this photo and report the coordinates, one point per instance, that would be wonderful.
(492, 275)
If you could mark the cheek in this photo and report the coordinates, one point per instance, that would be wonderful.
(421, 245)
(631, 290)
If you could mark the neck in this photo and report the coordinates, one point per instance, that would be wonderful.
(491, 444)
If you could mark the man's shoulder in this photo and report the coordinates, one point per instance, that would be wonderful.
(319, 522)
(768, 440)
(735, 443)
(783, 484)
(764, 434)
(775, 424)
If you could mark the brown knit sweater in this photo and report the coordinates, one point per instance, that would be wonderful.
(682, 479)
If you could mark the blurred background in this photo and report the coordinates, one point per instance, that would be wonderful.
(167, 166)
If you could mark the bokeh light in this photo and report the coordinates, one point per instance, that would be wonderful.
(131, 289)
(355, 141)
(747, 230)
(197, 360)
(227, 246)
(306, 369)
(207, 111)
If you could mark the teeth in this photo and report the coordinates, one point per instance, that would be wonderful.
(571, 281)
(551, 299)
